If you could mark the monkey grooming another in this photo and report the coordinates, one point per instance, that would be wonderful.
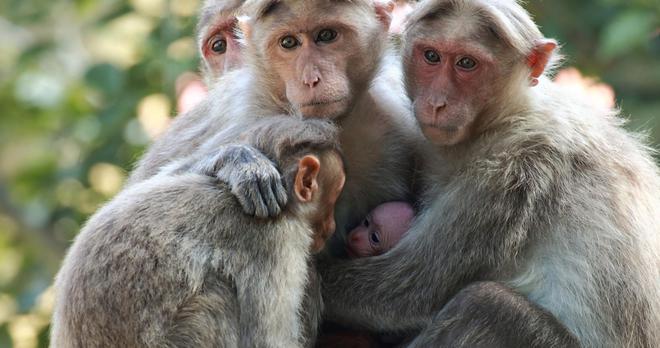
(174, 262)
(528, 186)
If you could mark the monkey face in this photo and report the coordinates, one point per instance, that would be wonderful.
(318, 56)
(381, 230)
(454, 74)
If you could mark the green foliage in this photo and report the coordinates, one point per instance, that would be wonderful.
(73, 75)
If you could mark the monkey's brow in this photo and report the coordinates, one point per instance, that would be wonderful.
(438, 12)
(268, 8)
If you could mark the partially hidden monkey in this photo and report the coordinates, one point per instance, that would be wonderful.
(527, 185)
(380, 230)
(218, 38)
(174, 262)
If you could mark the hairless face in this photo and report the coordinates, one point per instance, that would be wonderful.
(380, 230)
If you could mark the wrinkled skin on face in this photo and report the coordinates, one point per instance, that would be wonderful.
(310, 53)
(381, 230)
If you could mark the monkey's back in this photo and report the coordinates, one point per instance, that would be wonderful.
(146, 272)
(595, 254)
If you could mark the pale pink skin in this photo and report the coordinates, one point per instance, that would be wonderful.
(381, 230)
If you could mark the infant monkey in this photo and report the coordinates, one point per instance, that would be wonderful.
(381, 230)
(144, 272)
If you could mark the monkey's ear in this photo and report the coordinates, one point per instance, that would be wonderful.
(306, 183)
(384, 10)
(540, 56)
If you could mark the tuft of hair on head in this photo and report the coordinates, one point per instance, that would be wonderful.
(506, 20)
(282, 137)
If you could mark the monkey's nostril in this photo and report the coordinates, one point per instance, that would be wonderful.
(313, 82)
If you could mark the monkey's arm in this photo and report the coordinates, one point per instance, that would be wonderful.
(244, 159)
(477, 223)
(253, 178)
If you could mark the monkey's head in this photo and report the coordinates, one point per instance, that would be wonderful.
(217, 37)
(469, 61)
(308, 154)
(317, 184)
(316, 57)
(381, 230)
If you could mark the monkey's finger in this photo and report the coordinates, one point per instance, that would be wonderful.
(268, 197)
(280, 192)
(242, 194)
(254, 194)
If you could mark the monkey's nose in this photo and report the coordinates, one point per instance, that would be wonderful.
(312, 81)
(438, 106)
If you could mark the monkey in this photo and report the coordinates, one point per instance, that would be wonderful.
(163, 277)
(381, 230)
(528, 190)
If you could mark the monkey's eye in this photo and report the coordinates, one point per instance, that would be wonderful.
(218, 44)
(326, 35)
(374, 237)
(466, 63)
(289, 42)
(432, 56)
(366, 222)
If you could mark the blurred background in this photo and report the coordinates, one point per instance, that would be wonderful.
(85, 85)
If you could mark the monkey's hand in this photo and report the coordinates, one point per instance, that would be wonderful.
(253, 178)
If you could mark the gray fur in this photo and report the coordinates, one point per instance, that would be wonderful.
(551, 196)
(174, 262)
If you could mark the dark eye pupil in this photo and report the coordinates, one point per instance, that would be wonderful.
(467, 63)
(374, 238)
(432, 56)
(327, 35)
(366, 223)
(219, 46)
(288, 42)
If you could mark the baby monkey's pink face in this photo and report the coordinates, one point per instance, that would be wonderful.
(381, 230)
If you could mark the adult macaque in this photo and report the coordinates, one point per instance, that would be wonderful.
(381, 230)
(527, 185)
(174, 262)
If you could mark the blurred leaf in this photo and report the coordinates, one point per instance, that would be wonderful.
(106, 78)
(628, 31)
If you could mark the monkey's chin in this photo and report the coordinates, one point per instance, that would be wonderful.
(328, 110)
(443, 136)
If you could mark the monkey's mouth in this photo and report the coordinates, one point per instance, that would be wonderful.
(322, 102)
(447, 129)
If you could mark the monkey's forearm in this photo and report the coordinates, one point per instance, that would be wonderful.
(451, 248)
